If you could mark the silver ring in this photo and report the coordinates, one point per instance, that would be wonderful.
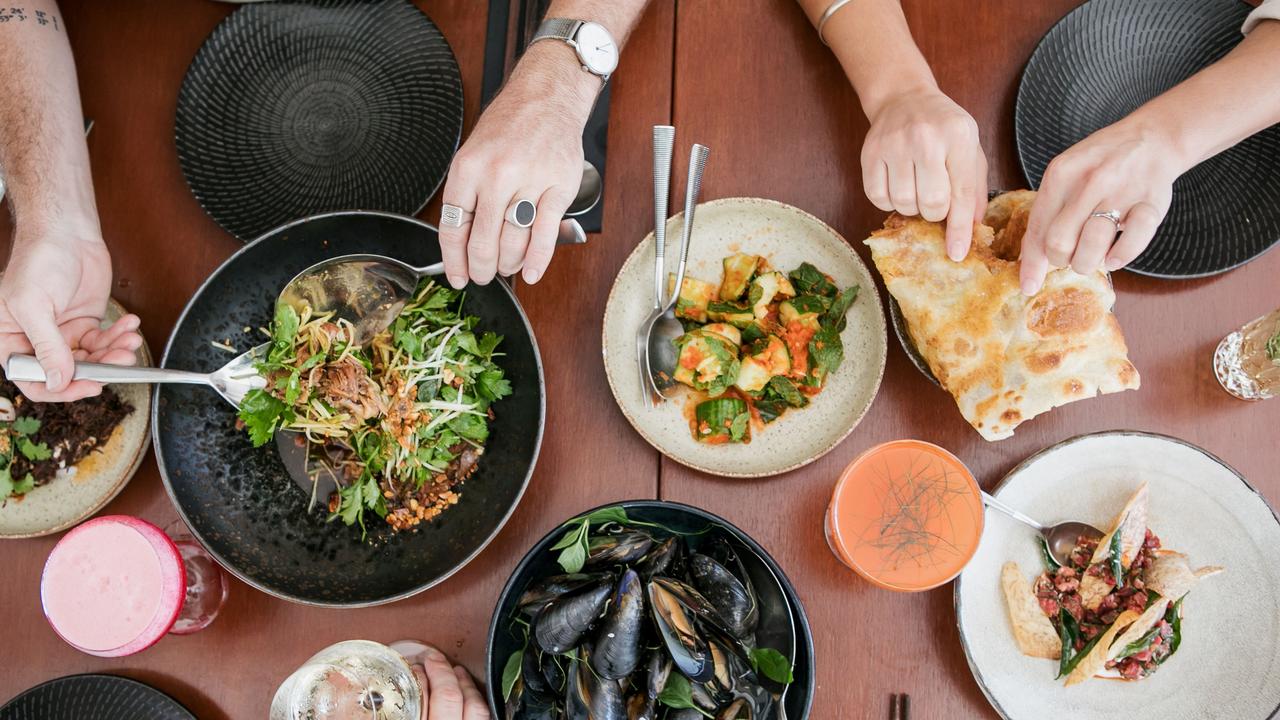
(1112, 215)
(522, 213)
(453, 216)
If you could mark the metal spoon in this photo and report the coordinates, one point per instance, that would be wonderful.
(232, 381)
(371, 290)
(1061, 539)
(661, 354)
(663, 138)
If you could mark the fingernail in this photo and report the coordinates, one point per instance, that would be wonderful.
(457, 281)
(1028, 288)
(1113, 265)
(954, 254)
(532, 276)
(433, 653)
(53, 378)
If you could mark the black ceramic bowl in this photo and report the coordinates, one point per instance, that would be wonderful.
(540, 562)
(239, 501)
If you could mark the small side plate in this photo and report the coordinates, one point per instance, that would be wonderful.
(74, 496)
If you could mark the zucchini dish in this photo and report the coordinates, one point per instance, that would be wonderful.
(401, 422)
(759, 343)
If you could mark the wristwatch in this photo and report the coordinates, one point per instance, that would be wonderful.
(596, 48)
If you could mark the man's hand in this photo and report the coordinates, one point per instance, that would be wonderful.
(923, 157)
(1124, 167)
(52, 297)
(451, 694)
(526, 146)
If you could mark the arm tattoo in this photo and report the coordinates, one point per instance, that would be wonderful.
(19, 15)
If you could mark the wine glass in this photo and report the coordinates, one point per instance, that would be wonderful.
(354, 680)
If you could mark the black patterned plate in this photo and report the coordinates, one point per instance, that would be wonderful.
(93, 697)
(1106, 58)
(290, 109)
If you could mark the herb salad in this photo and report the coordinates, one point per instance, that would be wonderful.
(402, 420)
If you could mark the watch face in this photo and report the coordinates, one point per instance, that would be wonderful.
(597, 48)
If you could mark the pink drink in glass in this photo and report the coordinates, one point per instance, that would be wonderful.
(116, 584)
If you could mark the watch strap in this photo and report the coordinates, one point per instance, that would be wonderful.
(556, 29)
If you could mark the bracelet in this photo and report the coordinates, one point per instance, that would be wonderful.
(832, 9)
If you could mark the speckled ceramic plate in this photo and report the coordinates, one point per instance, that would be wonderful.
(78, 493)
(786, 236)
(1226, 666)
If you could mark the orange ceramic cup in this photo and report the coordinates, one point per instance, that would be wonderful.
(906, 515)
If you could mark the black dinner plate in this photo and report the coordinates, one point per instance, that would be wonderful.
(238, 500)
(1106, 58)
(93, 697)
(291, 109)
(540, 562)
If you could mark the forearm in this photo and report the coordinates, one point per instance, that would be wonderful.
(550, 70)
(1221, 105)
(42, 150)
(871, 40)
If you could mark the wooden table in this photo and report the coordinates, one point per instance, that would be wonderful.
(749, 79)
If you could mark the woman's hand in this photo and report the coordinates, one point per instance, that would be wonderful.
(52, 298)
(526, 146)
(451, 694)
(1127, 168)
(923, 157)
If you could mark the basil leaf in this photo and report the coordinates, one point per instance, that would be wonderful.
(678, 693)
(614, 514)
(772, 664)
(510, 674)
(570, 537)
(573, 557)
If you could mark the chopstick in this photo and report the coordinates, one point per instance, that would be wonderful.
(899, 706)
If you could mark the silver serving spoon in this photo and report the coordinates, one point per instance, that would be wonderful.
(1061, 539)
(232, 381)
(663, 138)
(369, 290)
(661, 353)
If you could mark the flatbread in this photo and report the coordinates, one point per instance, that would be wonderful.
(1170, 575)
(1007, 217)
(1145, 622)
(1032, 630)
(1005, 358)
(1131, 524)
(1097, 657)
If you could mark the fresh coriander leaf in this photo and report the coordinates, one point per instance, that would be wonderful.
(26, 425)
(491, 385)
(6, 483)
(487, 344)
(510, 674)
(471, 427)
(261, 413)
(467, 342)
(772, 664)
(285, 327)
(349, 506)
(25, 485)
(35, 452)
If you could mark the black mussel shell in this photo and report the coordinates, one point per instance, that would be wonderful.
(736, 710)
(734, 600)
(678, 628)
(759, 701)
(590, 697)
(685, 714)
(658, 560)
(535, 683)
(639, 707)
(622, 548)
(617, 646)
(537, 595)
(659, 665)
(702, 697)
(563, 621)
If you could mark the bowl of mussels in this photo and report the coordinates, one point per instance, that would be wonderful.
(649, 610)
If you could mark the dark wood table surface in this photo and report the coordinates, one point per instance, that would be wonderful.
(749, 79)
